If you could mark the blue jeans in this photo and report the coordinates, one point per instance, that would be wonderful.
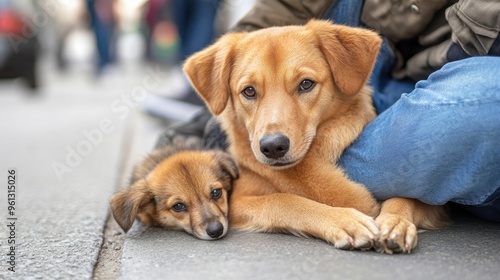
(195, 22)
(437, 141)
(104, 36)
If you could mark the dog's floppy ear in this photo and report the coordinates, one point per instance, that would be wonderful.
(350, 52)
(208, 71)
(227, 164)
(126, 204)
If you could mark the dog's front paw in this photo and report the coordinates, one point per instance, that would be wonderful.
(397, 234)
(353, 230)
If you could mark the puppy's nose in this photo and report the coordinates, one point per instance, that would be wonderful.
(274, 146)
(215, 229)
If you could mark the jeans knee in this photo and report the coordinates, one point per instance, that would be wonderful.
(464, 82)
(486, 65)
(480, 73)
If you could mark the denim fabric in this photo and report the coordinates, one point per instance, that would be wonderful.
(386, 90)
(104, 37)
(436, 141)
(345, 12)
(195, 22)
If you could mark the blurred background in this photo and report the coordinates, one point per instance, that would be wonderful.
(86, 88)
(78, 46)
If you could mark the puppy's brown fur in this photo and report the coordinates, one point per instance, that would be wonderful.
(254, 82)
(173, 175)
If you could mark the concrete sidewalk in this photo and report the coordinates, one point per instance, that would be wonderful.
(67, 144)
(467, 250)
(74, 145)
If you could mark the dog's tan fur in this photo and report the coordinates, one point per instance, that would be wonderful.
(304, 192)
(174, 175)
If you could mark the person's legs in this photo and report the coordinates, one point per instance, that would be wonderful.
(194, 20)
(103, 29)
(387, 90)
(438, 143)
(104, 34)
(201, 25)
(181, 16)
(435, 147)
(195, 23)
(345, 12)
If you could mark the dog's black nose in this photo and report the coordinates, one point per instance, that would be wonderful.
(274, 146)
(215, 229)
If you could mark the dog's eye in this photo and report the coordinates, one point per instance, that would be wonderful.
(249, 92)
(216, 194)
(306, 85)
(179, 207)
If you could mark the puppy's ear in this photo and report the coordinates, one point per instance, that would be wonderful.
(208, 71)
(350, 52)
(227, 164)
(126, 204)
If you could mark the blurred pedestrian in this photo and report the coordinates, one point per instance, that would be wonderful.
(195, 24)
(103, 24)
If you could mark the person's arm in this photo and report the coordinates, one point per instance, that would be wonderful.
(267, 13)
(475, 26)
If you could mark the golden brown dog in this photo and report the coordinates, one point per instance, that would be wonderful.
(291, 99)
(179, 188)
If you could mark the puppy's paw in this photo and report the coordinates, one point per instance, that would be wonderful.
(353, 230)
(397, 234)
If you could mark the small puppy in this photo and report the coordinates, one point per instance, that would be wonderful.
(179, 187)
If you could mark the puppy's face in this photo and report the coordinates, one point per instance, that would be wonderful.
(188, 191)
(283, 82)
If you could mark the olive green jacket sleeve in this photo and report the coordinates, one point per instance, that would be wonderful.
(267, 13)
(432, 25)
(475, 24)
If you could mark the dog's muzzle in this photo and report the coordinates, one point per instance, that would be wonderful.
(274, 146)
